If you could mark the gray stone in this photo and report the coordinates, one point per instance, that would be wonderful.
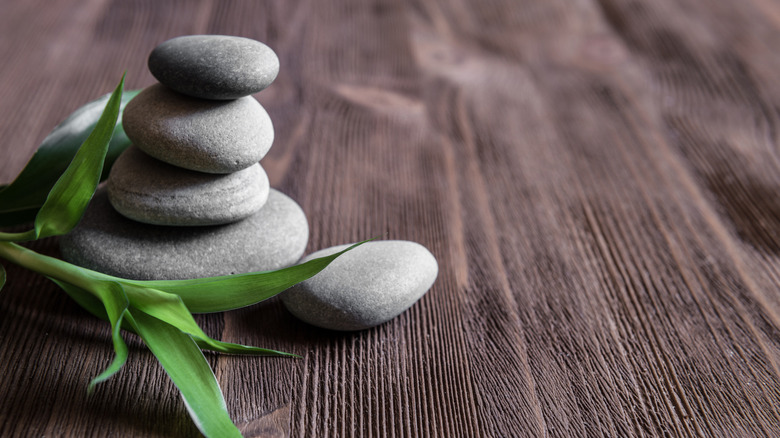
(151, 191)
(106, 241)
(204, 135)
(364, 287)
(214, 66)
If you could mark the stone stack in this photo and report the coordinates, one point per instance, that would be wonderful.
(189, 198)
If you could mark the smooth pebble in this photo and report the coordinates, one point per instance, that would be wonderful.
(214, 66)
(197, 134)
(364, 287)
(148, 190)
(106, 241)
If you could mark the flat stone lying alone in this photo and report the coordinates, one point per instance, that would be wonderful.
(151, 191)
(106, 241)
(214, 66)
(203, 135)
(364, 287)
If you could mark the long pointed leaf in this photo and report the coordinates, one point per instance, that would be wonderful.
(116, 303)
(67, 200)
(239, 290)
(187, 367)
(21, 200)
(71, 193)
(171, 309)
(247, 350)
(112, 304)
(92, 305)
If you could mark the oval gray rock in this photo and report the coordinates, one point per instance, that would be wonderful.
(151, 191)
(364, 287)
(203, 135)
(106, 241)
(214, 66)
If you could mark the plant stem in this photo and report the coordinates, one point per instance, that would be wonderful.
(18, 237)
(51, 267)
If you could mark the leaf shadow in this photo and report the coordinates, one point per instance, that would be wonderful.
(269, 324)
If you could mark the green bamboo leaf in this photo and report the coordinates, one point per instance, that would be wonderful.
(239, 290)
(70, 195)
(21, 200)
(111, 303)
(244, 350)
(187, 367)
(92, 305)
(116, 304)
(171, 309)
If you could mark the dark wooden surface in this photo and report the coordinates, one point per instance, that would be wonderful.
(598, 180)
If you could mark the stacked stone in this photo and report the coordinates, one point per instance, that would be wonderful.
(189, 198)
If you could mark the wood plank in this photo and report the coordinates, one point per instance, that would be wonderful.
(598, 180)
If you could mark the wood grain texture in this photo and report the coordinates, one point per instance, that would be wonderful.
(597, 178)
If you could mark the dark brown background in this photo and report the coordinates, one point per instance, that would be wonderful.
(598, 180)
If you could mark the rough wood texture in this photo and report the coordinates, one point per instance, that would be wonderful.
(598, 179)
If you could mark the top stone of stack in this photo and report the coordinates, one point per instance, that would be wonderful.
(214, 67)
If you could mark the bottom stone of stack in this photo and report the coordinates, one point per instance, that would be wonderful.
(106, 241)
